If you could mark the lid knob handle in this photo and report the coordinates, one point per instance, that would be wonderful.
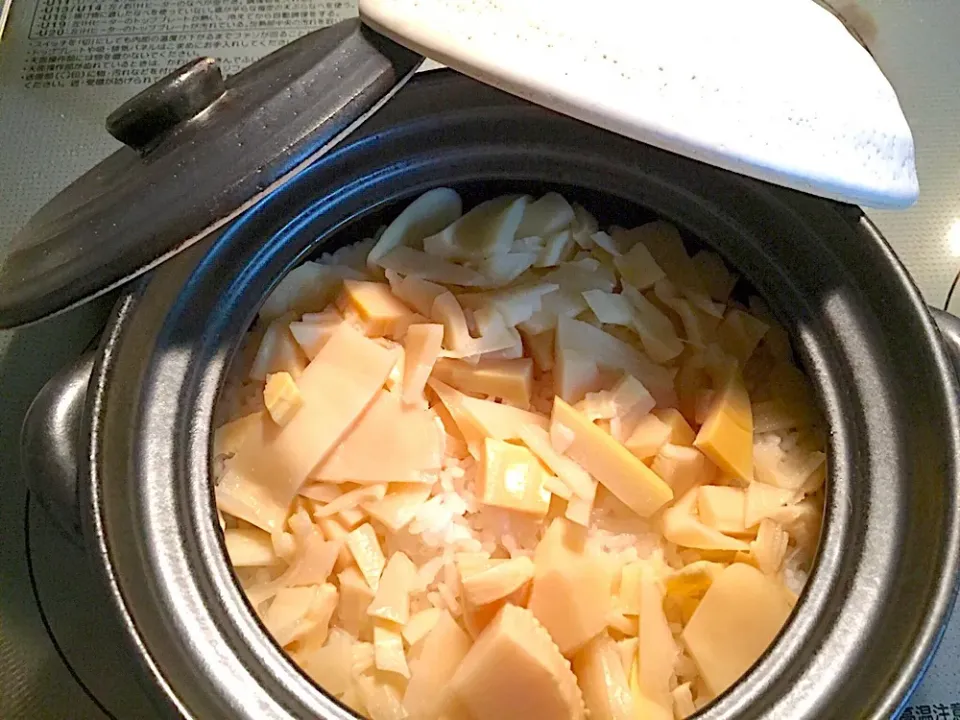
(146, 117)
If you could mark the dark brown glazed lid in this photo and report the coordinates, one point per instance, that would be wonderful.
(200, 149)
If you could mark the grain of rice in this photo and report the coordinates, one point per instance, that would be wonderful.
(351, 499)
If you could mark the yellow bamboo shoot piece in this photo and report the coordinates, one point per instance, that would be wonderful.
(355, 598)
(311, 335)
(770, 547)
(557, 487)
(286, 618)
(637, 267)
(333, 529)
(656, 649)
(451, 402)
(683, 528)
(421, 349)
(305, 288)
(365, 546)
(321, 492)
(580, 509)
(477, 617)
(398, 507)
(314, 634)
(545, 216)
(282, 397)
(353, 699)
(680, 431)
(740, 333)
(624, 624)
(428, 214)
(648, 437)
(388, 649)
(557, 247)
(499, 421)
(278, 352)
(646, 706)
(802, 521)
(478, 419)
(634, 484)
(682, 467)
(391, 442)
(716, 276)
(392, 600)
(722, 508)
(249, 547)
(631, 576)
(623, 405)
(726, 436)
(380, 694)
(575, 477)
(762, 500)
(486, 230)
(627, 650)
(606, 689)
(228, 437)
(312, 565)
(682, 701)
(511, 477)
(410, 262)
(266, 472)
(509, 380)
(330, 664)
(443, 650)
(692, 580)
(514, 671)
(571, 592)
(379, 310)
(447, 311)
(736, 621)
(420, 625)
(540, 348)
(343, 505)
(394, 381)
(414, 291)
(497, 582)
(574, 375)
(351, 517)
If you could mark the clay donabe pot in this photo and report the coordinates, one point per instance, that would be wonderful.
(121, 443)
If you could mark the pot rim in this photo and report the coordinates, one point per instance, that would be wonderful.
(152, 303)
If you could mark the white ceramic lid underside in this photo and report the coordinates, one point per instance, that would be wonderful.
(773, 89)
